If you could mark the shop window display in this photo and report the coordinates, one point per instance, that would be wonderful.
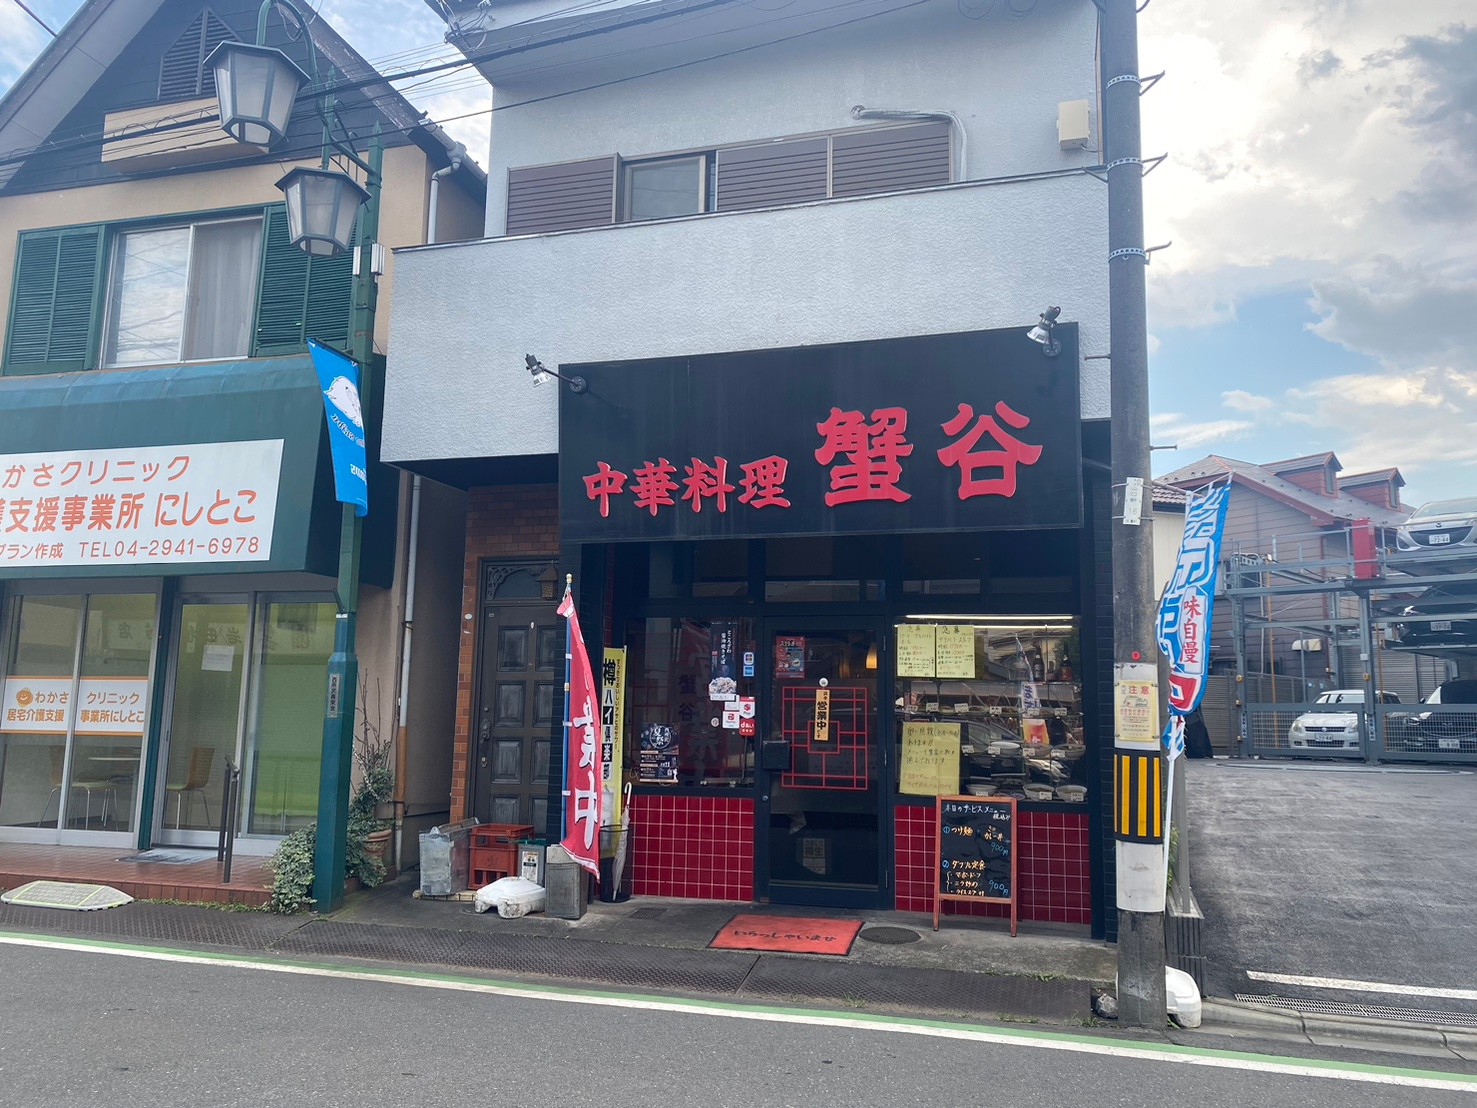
(991, 707)
(685, 676)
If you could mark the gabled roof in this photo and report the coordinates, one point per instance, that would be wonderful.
(99, 32)
(1373, 477)
(1325, 511)
(1305, 461)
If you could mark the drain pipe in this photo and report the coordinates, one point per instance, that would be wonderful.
(402, 753)
(962, 168)
(458, 152)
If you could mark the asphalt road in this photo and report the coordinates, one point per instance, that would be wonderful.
(91, 1028)
(1348, 873)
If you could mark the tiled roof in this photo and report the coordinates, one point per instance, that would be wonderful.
(1169, 496)
(1339, 508)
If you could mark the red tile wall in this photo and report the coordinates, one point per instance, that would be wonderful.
(693, 846)
(1053, 867)
(504, 522)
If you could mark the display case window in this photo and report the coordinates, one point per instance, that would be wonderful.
(990, 706)
(682, 675)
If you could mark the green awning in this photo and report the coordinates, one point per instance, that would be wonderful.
(143, 410)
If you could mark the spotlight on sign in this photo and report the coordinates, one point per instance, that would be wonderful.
(542, 373)
(1042, 333)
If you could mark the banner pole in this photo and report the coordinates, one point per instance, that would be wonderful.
(568, 723)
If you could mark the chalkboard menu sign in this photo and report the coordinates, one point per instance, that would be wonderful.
(974, 858)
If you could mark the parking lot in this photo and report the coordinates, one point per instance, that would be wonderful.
(1314, 877)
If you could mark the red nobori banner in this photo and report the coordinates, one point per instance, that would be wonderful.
(582, 774)
(973, 431)
(199, 502)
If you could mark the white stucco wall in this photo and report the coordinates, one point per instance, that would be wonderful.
(959, 258)
(1003, 78)
(970, 256)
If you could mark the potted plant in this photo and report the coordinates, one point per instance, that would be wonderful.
(369, 830)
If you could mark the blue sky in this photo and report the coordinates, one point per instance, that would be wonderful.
(1320, 194)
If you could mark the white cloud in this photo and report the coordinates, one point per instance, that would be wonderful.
(1304, 139)
(1174, 430)
(1239, 400)
(20, 41)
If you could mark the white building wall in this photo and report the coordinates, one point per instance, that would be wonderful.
(971, 256)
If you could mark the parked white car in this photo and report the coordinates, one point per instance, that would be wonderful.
(1334, 728)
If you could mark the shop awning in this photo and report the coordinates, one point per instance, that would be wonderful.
(192, 469)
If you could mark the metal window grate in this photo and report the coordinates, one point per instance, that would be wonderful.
(1366, 1011)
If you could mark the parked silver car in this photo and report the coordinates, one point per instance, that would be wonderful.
(1336, 728)
(1438, 537)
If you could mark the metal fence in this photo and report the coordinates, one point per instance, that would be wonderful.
(1444, 733)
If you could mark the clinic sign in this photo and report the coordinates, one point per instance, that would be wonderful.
(115, 706)
(145, 505)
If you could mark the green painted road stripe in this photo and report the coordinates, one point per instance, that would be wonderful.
(1007, 1036)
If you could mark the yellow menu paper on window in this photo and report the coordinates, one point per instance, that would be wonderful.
(954, 652)
(930, 759)
(915, 650)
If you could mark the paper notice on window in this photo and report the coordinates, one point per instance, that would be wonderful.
(915, 650)
(218, 658)
(930, 765)
(954, 652)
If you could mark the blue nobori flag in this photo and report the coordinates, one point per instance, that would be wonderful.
(339, 379)
(1185, 610)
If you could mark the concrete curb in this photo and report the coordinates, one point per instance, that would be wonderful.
(1343, 1031)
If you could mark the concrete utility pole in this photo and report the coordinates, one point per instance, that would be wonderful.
(1140, 880)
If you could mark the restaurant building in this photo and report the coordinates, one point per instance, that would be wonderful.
(169, 534)
(841, 522)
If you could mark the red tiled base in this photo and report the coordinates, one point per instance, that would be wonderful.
(192, 883)
(693, 846)
(1053, 867)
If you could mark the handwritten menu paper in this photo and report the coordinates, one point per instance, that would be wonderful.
(954, 652)
(915, 648)
(930, 759)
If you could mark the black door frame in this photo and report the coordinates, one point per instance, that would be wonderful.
(877, 622)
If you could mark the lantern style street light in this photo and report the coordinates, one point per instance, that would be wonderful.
(257, 88)
(321, 208)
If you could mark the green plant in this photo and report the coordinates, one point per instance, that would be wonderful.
(292, 872)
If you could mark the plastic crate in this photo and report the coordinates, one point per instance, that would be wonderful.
(494, 852)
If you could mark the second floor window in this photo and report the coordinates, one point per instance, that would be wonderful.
(665, 187)
(181, 294)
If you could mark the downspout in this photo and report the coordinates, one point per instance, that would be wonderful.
(402, 722)
(458, 152)
(962, 169)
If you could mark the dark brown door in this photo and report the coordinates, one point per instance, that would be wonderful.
(518, 696)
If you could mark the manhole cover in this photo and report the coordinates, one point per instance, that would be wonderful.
(893, 935)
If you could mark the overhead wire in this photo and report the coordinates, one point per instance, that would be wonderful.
(362, 83)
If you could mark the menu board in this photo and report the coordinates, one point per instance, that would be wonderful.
(915, 650)
(930, 764)
(974, 856)
(954, 652)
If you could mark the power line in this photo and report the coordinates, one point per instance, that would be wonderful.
(21, 4)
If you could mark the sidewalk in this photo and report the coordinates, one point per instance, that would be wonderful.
(968, 969)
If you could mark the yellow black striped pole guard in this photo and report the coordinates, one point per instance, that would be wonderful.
(1138, 797)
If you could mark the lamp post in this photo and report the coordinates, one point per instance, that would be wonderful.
(257, 87)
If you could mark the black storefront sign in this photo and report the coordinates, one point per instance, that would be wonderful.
(971, 431)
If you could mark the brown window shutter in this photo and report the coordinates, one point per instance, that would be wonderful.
(787, 172)
(890, 158)
(561, 197)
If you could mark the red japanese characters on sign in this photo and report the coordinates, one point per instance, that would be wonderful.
(202, 502)
(864, 455)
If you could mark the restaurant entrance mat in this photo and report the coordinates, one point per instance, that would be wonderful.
(68, 895)
(788, 934)
(168, 857)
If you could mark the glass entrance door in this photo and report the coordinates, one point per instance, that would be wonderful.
(819, 827)
(212, 644)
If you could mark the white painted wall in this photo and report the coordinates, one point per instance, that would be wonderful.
(959, 258)
(1004, 78)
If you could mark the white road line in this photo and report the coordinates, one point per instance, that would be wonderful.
(1361, 986)
(1078, 1044)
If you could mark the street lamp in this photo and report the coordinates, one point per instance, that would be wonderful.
(256, 87)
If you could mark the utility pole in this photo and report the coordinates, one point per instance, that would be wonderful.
(1140, 859)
